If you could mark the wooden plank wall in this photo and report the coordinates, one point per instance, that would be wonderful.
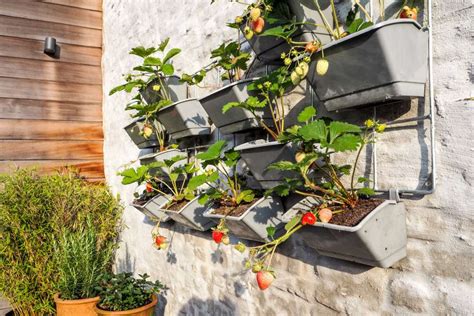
(51, 109)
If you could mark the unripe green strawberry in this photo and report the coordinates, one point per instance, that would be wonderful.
(240, 247)
(156, 87)
(225, 240)
(239, 19)
(295, 78)
(147, 131)
(305, 67)
(322, 66)
(256, 267)
(248, 33)
(299, 71)
(287, 61)
(255, 14)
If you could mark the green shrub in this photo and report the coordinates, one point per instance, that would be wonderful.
(81, 264)
(122, 292)
(35, 210)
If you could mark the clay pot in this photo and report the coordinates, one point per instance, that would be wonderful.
(83, 307)
(146, 310)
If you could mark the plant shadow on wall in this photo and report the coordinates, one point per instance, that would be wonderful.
(197, 306)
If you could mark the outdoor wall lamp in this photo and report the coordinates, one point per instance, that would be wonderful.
(50, 47)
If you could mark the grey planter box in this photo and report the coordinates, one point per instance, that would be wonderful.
(162, 156)
(258, 155)
(236, 119)
(133, 130)
(378, 240)
(177, 90)
(387, 61)
(153, 208)
(305, 11)
(252, 225)
(192, 215)
(184, 118)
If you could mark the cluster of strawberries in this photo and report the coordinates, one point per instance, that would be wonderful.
(255, 24)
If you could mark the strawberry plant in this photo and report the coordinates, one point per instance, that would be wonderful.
(152, 70)
(226, 188)
(228, 58)
(167, 178)
(319, 140)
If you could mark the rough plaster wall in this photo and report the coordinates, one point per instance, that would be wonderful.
(204, 279)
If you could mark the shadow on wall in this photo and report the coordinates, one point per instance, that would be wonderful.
(198, 307)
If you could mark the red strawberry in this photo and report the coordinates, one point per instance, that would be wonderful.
(149, 187)
(409, 13)
(311, 47)
(257, 25)
(217, 235)
(308, 219)
(264, 279)
(325, 215)
(160, 241)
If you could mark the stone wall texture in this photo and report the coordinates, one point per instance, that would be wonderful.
(204, 279)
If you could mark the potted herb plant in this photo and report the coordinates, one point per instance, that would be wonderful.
(342, 70)
(122, 294)
(80, 265)
(235, 207)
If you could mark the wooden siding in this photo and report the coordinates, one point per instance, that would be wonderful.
(51, 108)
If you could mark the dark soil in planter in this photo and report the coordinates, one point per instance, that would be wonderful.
(227, 209)
(353, 217)
(142, 200)
(176, 206)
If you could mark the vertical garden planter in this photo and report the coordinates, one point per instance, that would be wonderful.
(387, 61)
(162, 156)
(153, 208)
(258, 155)
(177, 90)
(134, 131)
(236, 119)
(378, 240)
(252, 225)
(184, 118)
(192, 216)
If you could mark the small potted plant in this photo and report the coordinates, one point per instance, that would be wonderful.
(157, 87)
(236, 208)
(122, 294)
(342, 70)
(80, 264)
(336, 219)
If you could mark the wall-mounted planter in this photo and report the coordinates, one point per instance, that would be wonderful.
(378, 240)
(184, 118)
(192, 216)
(236, 119)
(252, 225)
(305, 11)
(134, 131)
(258, 155)
(177, 90)
(153, 208)
(162, 156)
(387, 61)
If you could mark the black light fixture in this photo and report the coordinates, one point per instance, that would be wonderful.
(50, 47)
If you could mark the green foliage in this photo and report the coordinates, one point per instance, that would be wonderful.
(228, 58)
(122, 292)
(223, 164)
(358, 25)
(80, 262)
(35, 211)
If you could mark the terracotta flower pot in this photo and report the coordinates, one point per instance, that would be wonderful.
(146, 310)
(83, 307)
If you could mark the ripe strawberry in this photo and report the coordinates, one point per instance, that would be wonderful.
(322, 66)
(255, 14)
(161, 242)
(217, 236)
(311, 47)
(264, 279)
(149, 187)
(308, 219)
(325, 215)
(257, 25)
(409, 13)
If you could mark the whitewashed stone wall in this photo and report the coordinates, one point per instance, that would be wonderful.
(204, 279)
